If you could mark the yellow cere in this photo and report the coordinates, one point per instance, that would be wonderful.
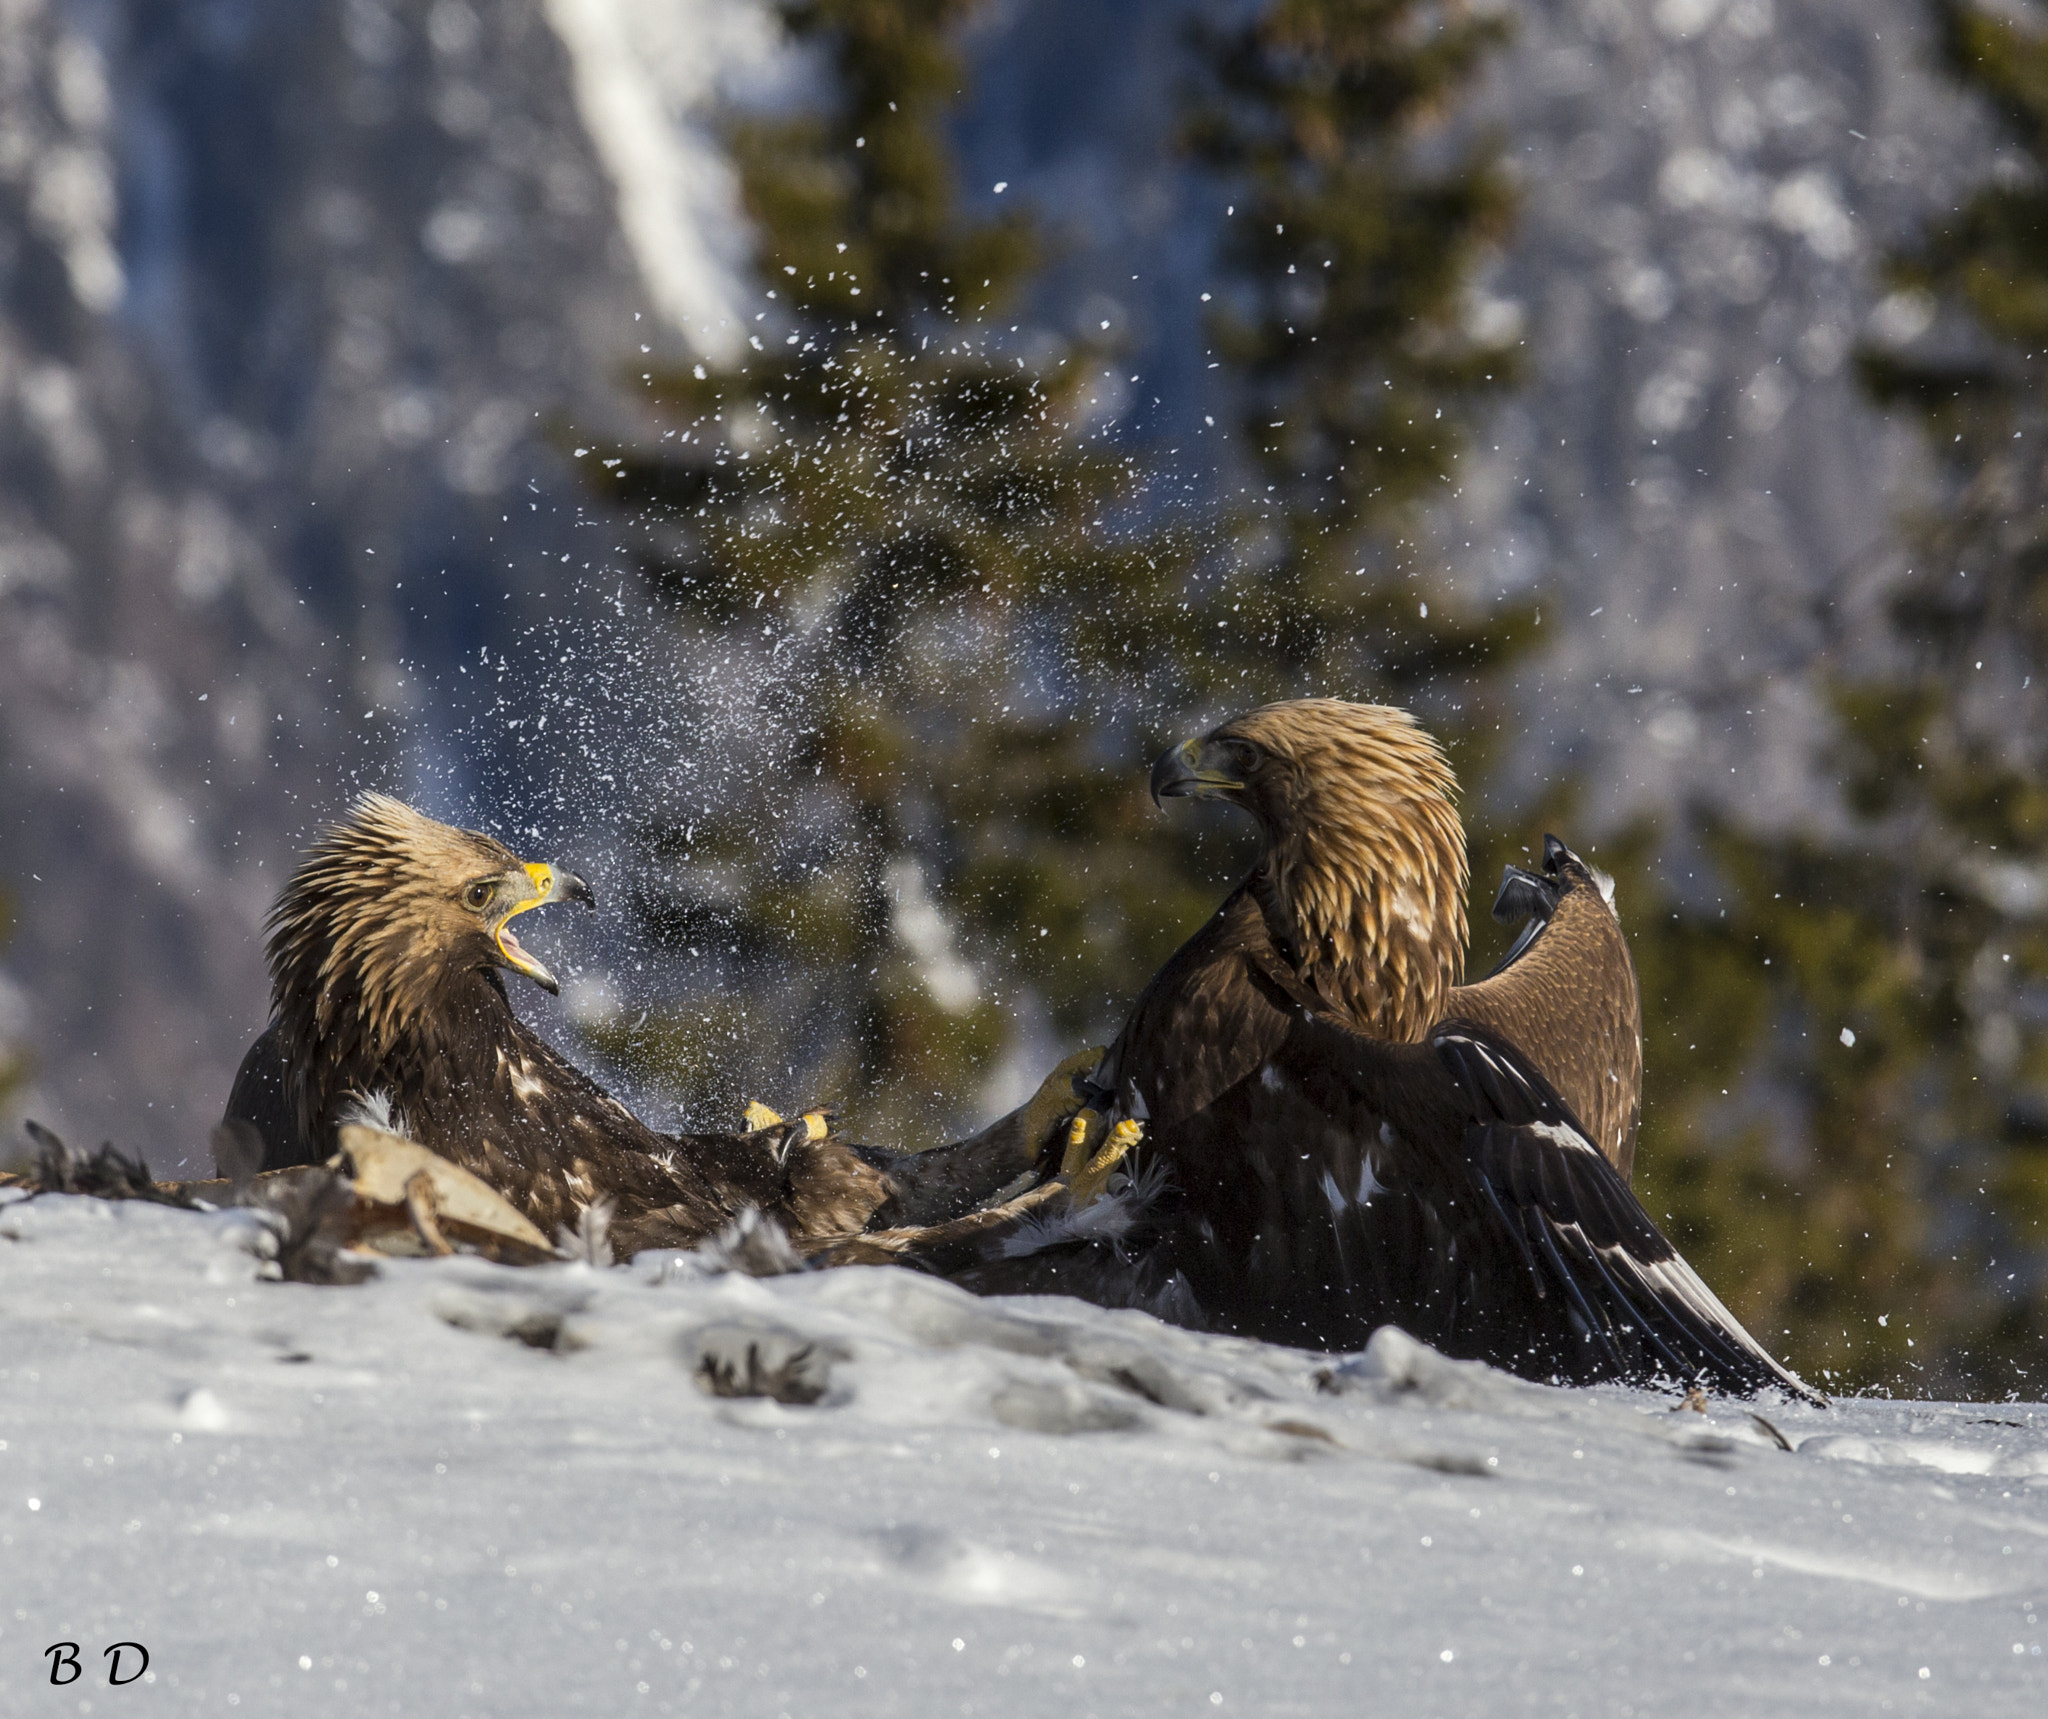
(543, 876)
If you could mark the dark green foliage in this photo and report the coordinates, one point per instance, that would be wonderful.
(986, 620)
(1828, 1184)
(1352, 266)
(1344, 324)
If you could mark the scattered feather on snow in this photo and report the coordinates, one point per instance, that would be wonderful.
(753, 1245)
(590, 1242)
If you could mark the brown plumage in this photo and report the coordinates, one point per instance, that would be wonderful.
(386, 955)
(1362, 886)
(1338, 1136)
(1566, 996)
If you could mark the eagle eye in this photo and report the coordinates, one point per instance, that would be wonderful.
(1245, 757)
(477, 896)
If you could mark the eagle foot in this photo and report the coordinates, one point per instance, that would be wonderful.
(1086, 1187)
(1084, 1134)
(1053, 1105)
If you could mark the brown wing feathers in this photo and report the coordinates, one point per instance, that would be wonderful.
(386, 952)
(1344, 1148)
(1338, 1134)
(1567, 999)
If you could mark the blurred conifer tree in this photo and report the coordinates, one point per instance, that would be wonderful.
(1348, 325)
(900, 518)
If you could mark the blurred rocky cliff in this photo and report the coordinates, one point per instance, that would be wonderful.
(290, 300)
(296, 304)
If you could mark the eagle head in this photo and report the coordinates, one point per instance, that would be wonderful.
(388, 906)
(1364, 851)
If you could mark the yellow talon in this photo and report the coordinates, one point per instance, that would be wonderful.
(814, 1121)
(1088, 1185)
(1082, 1133)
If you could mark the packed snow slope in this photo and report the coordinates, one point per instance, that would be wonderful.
(466, 1489)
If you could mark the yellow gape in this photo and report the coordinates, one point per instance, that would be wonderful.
(543, 877)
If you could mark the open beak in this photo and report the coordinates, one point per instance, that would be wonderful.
(1193, 770)
(550, 883)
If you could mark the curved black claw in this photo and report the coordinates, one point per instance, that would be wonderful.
(1529, 899)
(1524, 895)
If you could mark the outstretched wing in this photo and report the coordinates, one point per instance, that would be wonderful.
(1582, 1237)
(1510, 1237)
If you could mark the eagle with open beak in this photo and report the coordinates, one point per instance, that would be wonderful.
(388, 951)
(502, 899)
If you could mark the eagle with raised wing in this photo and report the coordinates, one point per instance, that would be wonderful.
(1336, 1135)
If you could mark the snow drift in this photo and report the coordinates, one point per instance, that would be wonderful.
(467, 1489)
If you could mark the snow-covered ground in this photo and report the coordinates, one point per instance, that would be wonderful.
(466, 1489)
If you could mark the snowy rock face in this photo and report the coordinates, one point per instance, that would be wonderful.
(128, 588)
(1710, 187)
(463, 1488)
(291, 301)
(298, 305)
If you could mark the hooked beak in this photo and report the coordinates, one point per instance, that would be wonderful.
(1193, 770)
(550, 883)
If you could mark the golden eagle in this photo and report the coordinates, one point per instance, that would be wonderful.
(1337, 1135)
(387, 951)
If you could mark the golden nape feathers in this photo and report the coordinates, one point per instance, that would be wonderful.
(387, 951)
(1366, 855)
(389, 921)
(374, 914)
